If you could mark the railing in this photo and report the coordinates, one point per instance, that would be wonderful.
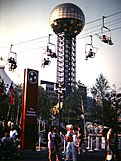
(94, 142)
(97, 142)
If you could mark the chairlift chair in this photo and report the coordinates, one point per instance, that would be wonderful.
(106, 38)
(90, 50)
(45, 61)
(49, 51)
(12, 59)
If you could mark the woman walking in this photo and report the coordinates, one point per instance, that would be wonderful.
(52, 143)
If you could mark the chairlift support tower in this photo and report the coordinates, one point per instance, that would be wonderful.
(67, 21)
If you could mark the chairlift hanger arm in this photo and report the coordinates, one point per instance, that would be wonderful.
(50, 42)
(88, 45)
(11, 49)
(92, 50)
(91, 39)
(49, 51)
(104, 26)
(96, 49)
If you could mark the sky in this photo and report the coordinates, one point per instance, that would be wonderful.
(25, 24)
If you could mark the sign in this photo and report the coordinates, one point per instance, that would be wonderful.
(29, 110)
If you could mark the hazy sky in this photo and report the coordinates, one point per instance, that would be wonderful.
(25, 23)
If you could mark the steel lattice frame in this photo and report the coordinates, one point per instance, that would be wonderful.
(66, 61)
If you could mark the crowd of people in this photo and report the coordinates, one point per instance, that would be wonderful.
(73, 139)
(9, 138)
(9, 127)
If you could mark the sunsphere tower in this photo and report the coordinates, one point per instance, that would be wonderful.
(67, 21)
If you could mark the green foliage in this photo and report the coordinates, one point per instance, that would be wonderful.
(45, 102)
(101, 87)
(3, 99)
(104, 111)
(72, 106)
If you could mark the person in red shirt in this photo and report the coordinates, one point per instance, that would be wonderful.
(70, 143)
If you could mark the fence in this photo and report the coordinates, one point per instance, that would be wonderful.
(94, 142)
(97, 142)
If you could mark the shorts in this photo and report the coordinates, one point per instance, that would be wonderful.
(51, 144)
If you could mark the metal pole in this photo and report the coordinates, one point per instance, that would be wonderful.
(83, 117)
(59, 113)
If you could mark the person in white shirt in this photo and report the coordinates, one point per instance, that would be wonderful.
(13, 132)
(52, 144)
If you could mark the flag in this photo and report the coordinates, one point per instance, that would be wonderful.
(12, 98)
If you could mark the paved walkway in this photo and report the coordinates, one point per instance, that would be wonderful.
(43, 156)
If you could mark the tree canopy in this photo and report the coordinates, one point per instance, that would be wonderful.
(105, 111)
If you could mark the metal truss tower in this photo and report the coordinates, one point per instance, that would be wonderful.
(67, 21)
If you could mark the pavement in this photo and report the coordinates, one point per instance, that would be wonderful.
(42, 155)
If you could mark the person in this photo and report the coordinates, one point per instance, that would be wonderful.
(51, 143)
(13, 132)
(80, 139)
(70, 149)
(57, 141)
(5, 138)
(6, 142)
(105, 39)
(109, 156)
(4, 128)
(103, 138)
(75, 139)
(46, 62)
(112, 138)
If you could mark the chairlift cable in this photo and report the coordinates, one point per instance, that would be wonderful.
(53, 34)
(100, 25)
(101, 18)
(83, 37)
(30, 40)
(105, 23)
(113, 14)
(86, 35)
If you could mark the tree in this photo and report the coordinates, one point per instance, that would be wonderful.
(18, 103)
(107, 103)
(45, 103)
(73, 106)
(100, 92)
(3, 99)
